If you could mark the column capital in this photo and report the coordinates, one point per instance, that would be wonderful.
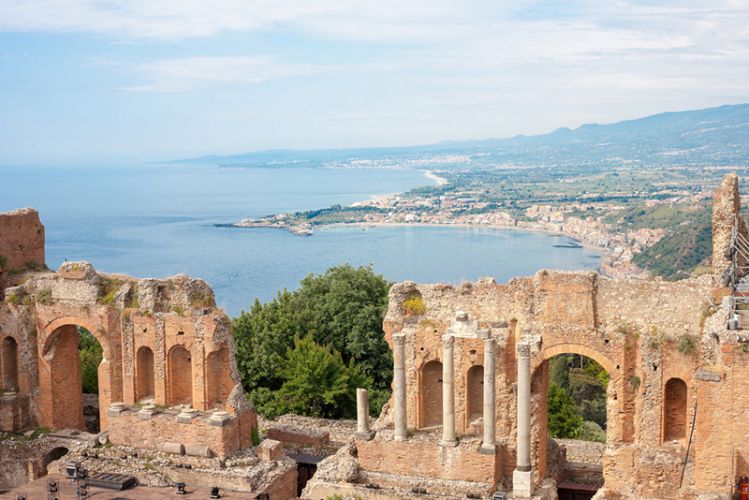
(489, 344)
(399, 339)
(523, 350)
(448, 340)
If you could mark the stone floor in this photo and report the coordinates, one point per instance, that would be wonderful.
(37, 490)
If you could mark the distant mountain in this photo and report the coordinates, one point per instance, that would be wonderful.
(713, 136)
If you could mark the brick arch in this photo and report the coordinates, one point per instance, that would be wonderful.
(583, 350)
(57, 323)
(60, 398)
(539, 388)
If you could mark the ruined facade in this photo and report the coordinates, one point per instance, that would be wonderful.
(168, 386)
(471, 374)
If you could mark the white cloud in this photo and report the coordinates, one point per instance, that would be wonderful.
(186, 73)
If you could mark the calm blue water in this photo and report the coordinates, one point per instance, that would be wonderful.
(159, 220)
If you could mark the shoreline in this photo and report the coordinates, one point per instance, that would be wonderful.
(464, 225)
(605, 252)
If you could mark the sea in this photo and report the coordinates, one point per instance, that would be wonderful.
(159, 220)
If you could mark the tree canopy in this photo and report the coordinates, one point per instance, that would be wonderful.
(337, 314)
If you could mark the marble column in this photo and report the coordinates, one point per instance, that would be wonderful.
(362, 415)
(488, 445)
(399, 387)
(448, 393)
(522, 480)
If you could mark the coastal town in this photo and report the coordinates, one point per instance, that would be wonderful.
(588, 219)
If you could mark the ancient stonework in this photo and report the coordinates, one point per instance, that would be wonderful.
(167, 381)
(676, 400)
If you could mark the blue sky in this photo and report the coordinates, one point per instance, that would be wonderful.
(118, 81)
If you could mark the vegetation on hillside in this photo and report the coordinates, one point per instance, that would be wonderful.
(306, 351)
(681, 250)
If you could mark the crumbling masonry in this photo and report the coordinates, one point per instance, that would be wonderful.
(168, 382)
(469, 414)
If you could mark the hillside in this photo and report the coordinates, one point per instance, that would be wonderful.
(713, 136)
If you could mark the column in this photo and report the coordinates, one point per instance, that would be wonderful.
(522, 480)
(488, 445)
(362, 415)
(399, 387)
(448, 393)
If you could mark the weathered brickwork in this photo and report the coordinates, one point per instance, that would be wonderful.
(164, 343)
(676, 400)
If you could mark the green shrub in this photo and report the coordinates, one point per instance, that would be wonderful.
(108, 288)
(591, 431)
(686, 343)
(44, 296)
(90, 353)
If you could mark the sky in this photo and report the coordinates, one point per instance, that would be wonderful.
(118, 81)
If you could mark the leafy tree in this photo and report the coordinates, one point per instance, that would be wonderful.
(318, 382)
(564, 417)
(342, 308)
(90, 353)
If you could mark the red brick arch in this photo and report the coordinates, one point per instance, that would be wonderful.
(60, 400)
(583, 350)
(95, 329)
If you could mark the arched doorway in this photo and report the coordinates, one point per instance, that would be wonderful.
(144, 374)
(474, 393)
(180, 376)
(430, 395)
(9, 364)
(73, 358)
(574, 396)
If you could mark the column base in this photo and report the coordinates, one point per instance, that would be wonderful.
(396, 437)
(449, 444)
(487, 449)
(365, 436)
(522, 483)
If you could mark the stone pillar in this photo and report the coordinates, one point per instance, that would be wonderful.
(488, 445)
(362, 415)
(448, 393)
(399, 387)
(522, 476)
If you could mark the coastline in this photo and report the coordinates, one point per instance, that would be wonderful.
(584, 244)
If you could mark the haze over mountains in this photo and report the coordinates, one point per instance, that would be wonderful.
(713, 136)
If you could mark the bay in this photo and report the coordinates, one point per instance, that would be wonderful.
(160, 220)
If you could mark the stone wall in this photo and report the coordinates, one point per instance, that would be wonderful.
(198, 432)
(661, 343)
(145, 328)
(21, 240)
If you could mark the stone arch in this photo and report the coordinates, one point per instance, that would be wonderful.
(144, 374)
(430, 394)
(51, 456)
(474, 393)
(219, 383)
(539, 394)
(674, 410)
(179, 386)
(96, 330)
(60, 406)
(9, 364)
(583, 350)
